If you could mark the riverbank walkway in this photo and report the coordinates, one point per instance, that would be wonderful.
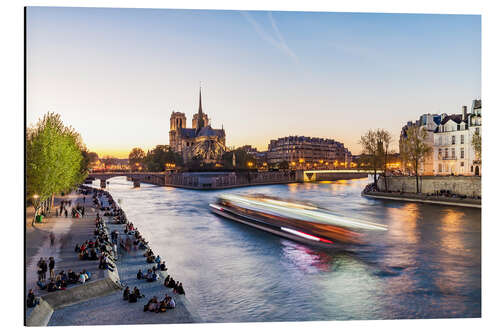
(68, 232)
(104, 309)
(424, 198)
(113, 310)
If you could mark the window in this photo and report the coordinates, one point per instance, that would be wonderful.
(462, 153)
(471, 168)
(462, 139)
(453, 140)
(440, 153)
(440, 168)
(440, 140)
(453, 153)
(446, 153)
(477, 130)
(462, 164)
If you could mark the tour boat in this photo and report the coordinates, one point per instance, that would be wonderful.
(299, 221)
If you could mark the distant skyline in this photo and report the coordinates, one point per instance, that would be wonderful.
(116, 75)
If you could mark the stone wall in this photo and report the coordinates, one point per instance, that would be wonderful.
(462, 185)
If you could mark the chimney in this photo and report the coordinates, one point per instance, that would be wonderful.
(464, 112)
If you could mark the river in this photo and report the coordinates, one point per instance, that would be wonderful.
(427, 265)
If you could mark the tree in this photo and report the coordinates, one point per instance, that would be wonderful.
(476, 143)
(384, 138)
(243, 160)
(53, 159)
(373, 148)
(414, 148)
(156, 159)
(283, 165)
(136, 158)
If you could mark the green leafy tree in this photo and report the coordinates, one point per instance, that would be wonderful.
(156, 159)
(136, 158)
(53, 159)
(243, 160)
(415, 149)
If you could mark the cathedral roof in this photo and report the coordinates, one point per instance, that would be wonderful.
(188, 132)
(209, 131)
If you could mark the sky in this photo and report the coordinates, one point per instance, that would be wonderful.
(116, 75)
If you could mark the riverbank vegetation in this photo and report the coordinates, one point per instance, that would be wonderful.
(56, 159)
(375, 147)
(414, 149)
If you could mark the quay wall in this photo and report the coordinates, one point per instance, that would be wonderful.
(461, 185)
(327, 176)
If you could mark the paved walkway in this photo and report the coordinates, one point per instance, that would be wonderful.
(113, 310)
(68, 232)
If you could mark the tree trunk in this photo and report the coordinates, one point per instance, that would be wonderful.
(416, 174)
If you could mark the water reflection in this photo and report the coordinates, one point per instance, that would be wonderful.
(427, 265)
(305, 258)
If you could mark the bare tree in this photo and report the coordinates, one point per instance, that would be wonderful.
(414, 148)
(372, 146)
(385, 138)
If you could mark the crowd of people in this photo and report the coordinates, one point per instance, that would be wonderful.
(103, 248)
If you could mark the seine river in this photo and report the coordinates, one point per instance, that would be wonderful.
(427, 265)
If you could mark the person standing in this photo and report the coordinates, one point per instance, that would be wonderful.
(43, 266)
(52, 239)
(52, 264)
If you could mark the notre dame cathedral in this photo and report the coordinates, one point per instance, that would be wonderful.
(201, 141)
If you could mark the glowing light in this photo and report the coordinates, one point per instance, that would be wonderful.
(301, 160)
(301, 234)
(35, 196)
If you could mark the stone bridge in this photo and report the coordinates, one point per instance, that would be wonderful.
(156, 178)
(163, 179)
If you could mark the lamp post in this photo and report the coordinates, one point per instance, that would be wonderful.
(35, 205)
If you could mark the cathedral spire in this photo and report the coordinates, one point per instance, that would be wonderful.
(200, 124)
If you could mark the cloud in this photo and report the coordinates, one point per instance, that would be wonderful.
(277, 41)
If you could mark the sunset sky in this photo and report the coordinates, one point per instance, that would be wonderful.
(115, 75)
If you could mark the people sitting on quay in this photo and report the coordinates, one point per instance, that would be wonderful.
(32, 300)
(169, 282)
(151, 276)
(179, 289)
(126, 293)
(162, 266)
(152, 305)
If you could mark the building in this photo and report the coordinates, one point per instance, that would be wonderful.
(450, 137)
(430, 122)
(201, 141)
(307, 152)
(453, 151)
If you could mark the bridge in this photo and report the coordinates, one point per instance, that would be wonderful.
(157, 178)
(195, 180)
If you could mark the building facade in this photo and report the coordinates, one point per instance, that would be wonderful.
(429, 122)
(453, 149)
(450, 137)
(201, 141)
(307, 152)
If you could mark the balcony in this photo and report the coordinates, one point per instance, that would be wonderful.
(454, 158)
